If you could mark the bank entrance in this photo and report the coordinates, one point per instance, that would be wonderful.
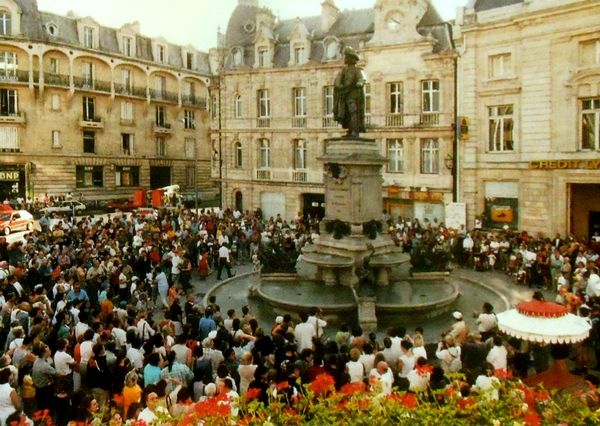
(584, 209)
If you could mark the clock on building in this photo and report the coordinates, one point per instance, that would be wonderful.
(393, 20)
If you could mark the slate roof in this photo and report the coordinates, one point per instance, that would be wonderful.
(35, 23)
(481, 5)
(351, 27)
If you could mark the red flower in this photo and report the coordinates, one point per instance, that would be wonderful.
(322, 383)
(252, 393)
(409, 400)
(542, 395)
(423, 370)
(532, 418)
(503, 373)
(353, 388)
(529, 396)
(282, 386)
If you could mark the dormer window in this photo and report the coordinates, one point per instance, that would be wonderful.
(299, 54)
(5, 23)
(332, 50)
(88, 37)
(237, 57)
(52, 30)
(127, 46)
(161, 53)
(263, 57)
(189, 60)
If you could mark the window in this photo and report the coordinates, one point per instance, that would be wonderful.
(263, 57)
(5, 23)
(395, 156)
(299, 94)
(328, 101)
(430, 95)
(127, 46)
(126, 144)
(299, 154)
(589, 52)
(88, 37)
(190, 177)
(299, 54)
(237, 56)
(237, 106)
(88, 108)
(332, 50)
(396, 103)
(190, 148)
(127, 176)
(89, 142)
(8, 65)
(160, 116)
(189, 88)
(590, 124)
(127, 80)
(52, 29)
(8, 102)
(9, 139)
(89, 176)
(189, 119)
(189, 60)
(264, 103)
(430, 153)
(126, 111)
(264, 156)
(54, 66)
(161, 147)
(55, 102)
(500, 65)
(238, 155)
(56, 139)
(501, 128)
(160, 85)
(87, 72)
(161, 54)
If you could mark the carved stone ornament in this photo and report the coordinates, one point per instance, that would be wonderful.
(336, 172)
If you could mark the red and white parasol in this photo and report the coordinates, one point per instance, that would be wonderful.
(543, 322)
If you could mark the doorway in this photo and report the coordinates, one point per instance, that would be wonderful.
(160, 177)
(239, 201)
(594, 224)
(313, 205)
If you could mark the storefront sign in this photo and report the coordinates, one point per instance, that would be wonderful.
(565, 164)
(10, 176)
(500, 212)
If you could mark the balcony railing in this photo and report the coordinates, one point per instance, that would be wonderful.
(394, 120)
(16, 118)
(298, 122)
(127, 122)
(289, 175)
(123, 89)
(300, 176)
(329, 122)
(196, 101)
(429, 119)
(163, 95)
(263, 123)
(91, 123)
(86, 83)
(162, 128)
(263, 174)
(56, 80)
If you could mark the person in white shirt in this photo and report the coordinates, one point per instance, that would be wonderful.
(152, 410)
(317, 322)
(118, 333)
(145, 330)
(486, 322)
(354, 367)
(497, 356)
(418, 378)
(449, 355)
(136, 355)
(304, 333)
(381, 378)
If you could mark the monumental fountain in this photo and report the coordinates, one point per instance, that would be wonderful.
(355, 264)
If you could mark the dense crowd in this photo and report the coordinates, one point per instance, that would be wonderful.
(99, 321)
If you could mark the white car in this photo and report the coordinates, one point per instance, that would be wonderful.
(15, 220)
(65, 207)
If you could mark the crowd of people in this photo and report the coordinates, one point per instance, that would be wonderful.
(99, 321)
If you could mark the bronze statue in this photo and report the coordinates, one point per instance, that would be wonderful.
(349, 96)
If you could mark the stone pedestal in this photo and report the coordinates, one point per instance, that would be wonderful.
(367, 317)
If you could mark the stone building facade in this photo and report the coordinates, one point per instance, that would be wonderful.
(273, 105)
(98, 111)
(530, 93)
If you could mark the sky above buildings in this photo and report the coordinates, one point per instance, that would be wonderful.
(195, 22)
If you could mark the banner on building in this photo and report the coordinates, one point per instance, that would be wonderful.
(456, 215)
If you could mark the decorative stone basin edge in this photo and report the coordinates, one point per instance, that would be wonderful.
(417, 276)
(421, 306)
(278, 276)
(294, 307)
(225, 281)
(492, 289)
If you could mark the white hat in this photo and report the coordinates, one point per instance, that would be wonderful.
(279, 319)
(457, 315)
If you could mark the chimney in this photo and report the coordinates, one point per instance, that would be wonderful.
(329, 14)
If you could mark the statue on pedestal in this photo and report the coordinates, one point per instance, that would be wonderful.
(366, 275)
(349, 96)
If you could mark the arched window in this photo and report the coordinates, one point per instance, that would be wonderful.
(238, 155)
(237, 106)
(264, 153)
(5, 22)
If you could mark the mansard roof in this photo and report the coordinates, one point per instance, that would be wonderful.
(351, 27)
